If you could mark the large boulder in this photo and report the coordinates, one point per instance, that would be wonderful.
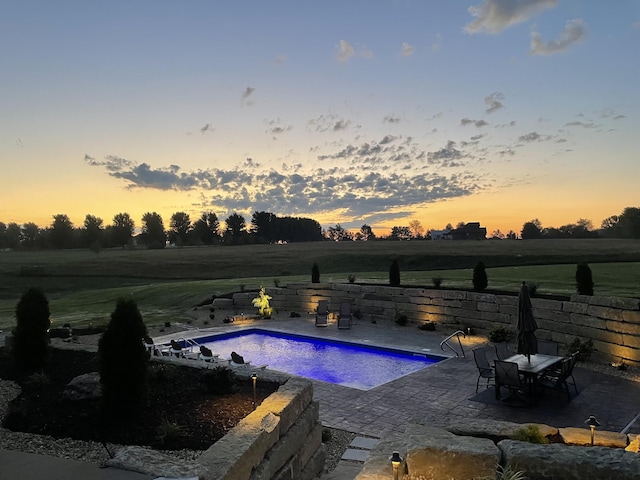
(83, 387)
(568, 462)
(434, 453)
(494, 429)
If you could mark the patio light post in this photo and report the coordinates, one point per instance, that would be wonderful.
(395, 459)
(593, 423)
(254, 378)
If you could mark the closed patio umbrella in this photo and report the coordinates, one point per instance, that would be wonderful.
(527, 343)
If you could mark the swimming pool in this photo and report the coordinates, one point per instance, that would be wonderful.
(348, 364)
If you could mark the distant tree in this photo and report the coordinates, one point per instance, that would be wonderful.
(236, 228)
(206, 228)
(480, 280)
(3, 232)
(460, 224)
(30, 234)
(531, 230)
(338, 234)
(153, 233)
(31, 340)
(12, 235)
(93, 230)
(511, 235)
(315, 273)
(497, 235)
(365, 234)
(394, 274)
(584, 279)
(609, 226)
(61, 233)
(180, 227)
(400, 233)
(448, 226)
(416, 228)
(264, 226)
(629, 223)
(123, 360)
(122, 231)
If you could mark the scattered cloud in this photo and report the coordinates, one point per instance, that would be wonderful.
(446, 156)
(574, 32)
(207, 128)
(494, 16)
(494, 102)
(534, 137)
(280, 59)
(328, 123)
(478, 123)
(345, 51)
(276, 127)
(246, 94)
(391, 119)
(406, 50)
(292, 192)
(581, 124)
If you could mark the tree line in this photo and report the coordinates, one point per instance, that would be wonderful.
(264, 227)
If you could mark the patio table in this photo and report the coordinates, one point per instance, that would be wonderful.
(535, 367)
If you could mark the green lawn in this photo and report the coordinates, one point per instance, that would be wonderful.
(82, 288)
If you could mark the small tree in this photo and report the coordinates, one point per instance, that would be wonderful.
(123, 360)
(261, 302)
(394, 274)
(30, 342)
(315, 273)
(584, 280)
(480, 280)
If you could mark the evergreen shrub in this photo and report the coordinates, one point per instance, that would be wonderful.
(31, 341)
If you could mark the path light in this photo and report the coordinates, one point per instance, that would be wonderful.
(254, 377)
(593, 423)
(395, 460)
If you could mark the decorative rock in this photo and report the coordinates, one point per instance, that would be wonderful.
(634, 444)
(434, 453)
(83, 387)
(494, 429)
(602, 438)
(570, 462)
(152, 462)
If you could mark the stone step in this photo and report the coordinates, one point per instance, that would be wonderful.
(355, 455)
(364, 442)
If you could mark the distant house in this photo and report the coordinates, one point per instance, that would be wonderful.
(470, 231)
(440, 235)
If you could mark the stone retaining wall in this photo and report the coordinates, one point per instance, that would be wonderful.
(612, 323)
(280, 440)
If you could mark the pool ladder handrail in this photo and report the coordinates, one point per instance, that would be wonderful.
(189, 343)
(456, 334)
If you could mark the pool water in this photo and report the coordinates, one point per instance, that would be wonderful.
(347, 364)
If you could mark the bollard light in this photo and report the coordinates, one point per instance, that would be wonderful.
(395, 460)
(593, 423)
(254, 377)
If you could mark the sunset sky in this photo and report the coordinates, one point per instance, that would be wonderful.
(350, 112)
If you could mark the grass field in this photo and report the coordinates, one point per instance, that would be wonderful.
(82, 287)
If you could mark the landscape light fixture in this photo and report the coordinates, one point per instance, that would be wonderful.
(254, 377)
(395, 460)
(593, 423)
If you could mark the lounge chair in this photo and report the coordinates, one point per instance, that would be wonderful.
(484, 369)
(153, 349)
(206, 355)
(176, 349)
(322, 313)
(344, 319)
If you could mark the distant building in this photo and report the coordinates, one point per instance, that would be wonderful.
(470, 231)
(440, 235)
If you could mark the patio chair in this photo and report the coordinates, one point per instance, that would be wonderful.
(206, 355)
(508, 376)
(503, 351)
(153, 349)
(484, 368)
(548, 347)
(344, 319)
(559, 381)
(322, 313)
(176, 349)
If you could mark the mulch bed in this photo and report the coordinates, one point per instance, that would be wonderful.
(177, 399)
